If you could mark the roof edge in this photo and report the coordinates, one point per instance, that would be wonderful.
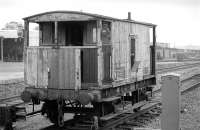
(92, 15)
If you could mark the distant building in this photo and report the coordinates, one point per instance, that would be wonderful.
(11, 45)
(192, 47)
(8, 33)
(163, 45)
(13, 26)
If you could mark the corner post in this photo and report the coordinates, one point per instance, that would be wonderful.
(154, 52)
(26, 44)
(99, 52)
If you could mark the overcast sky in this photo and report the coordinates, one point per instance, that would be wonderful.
(178, 20)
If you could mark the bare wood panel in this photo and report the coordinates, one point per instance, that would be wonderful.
(121, 32)
(31, 68)
(42, 69)
(63, 65)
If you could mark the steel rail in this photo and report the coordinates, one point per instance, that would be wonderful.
(9, 99)
(126, 116)
(162, 70)
(193, 85)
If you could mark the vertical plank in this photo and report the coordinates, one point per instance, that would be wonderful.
(54, 69)
(66, 69)
(31, 66)
(70, 70)
(44, 68)
(61, 73)
(84, 66)
(77, 70)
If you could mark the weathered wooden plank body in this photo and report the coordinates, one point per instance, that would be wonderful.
(122, 32)
(80, 51)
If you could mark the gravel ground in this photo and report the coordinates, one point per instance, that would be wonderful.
(190, 101)
(37, 122)
(190, 118)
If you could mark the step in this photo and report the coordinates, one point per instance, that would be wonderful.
(110, 99)
(21, 113)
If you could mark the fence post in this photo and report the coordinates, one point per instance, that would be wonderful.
(170, 102)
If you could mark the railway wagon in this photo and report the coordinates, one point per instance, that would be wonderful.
(87, 64)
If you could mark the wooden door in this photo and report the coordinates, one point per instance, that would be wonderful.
(89, 66)
(107, 60)
(64, 68)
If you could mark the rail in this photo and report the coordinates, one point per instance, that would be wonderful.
(187, 84)
(167, 69)
(14, 101)
(175, 60)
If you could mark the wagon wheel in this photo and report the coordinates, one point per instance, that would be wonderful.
(8, 126)
(52, 115)
(60, 118)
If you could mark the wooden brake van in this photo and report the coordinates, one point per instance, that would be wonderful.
(85, 58)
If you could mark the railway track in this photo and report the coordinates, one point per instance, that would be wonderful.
(123, 121)
(9, 99)
(175, 68)
(128, 119)
(187, 84)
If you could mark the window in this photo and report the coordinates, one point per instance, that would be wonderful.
(106, 32)
(132, 49)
